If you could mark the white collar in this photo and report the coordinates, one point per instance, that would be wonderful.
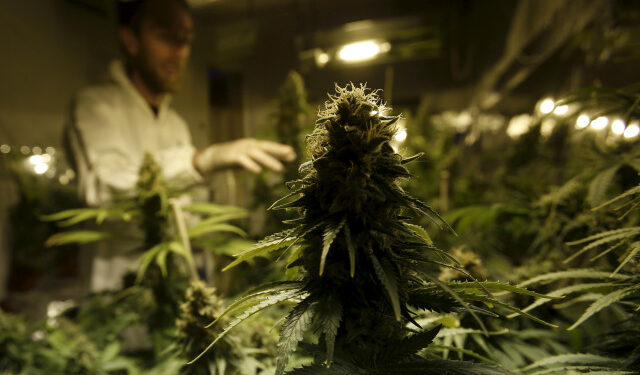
(118, 74)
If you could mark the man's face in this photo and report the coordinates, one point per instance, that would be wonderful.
(163, 48)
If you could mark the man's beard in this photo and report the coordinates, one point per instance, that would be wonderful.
(153, 80)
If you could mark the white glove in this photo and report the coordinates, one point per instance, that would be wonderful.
(249, 153)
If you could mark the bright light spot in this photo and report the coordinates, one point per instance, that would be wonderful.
(46, 158)
(373, 113)
(582, 121)
(64, 179)
(25, 150)
(518, 125)
(70, 173)
(36, 150)
(40, 168)
(547, 105)
(385, 47)
(632, 131)
(401, 135)
(359, 51)
(5, 149)
(617, 127)
(36, 159)
(561, 109)
(547, 127)
(322, 59)
(600, 123)
(50, 150)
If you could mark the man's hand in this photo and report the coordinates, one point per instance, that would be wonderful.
(249, 153)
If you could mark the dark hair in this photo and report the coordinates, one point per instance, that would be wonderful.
(132, 12)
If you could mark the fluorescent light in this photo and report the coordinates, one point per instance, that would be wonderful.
(617, 127)
(40, 168)
(547, 105)
(322, 58)
(359, 51)
(582, 121)
(632, 131)
(5, 149)
(36, 159)
(561, 109)
(600, 123)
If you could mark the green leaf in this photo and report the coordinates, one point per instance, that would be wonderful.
(582, 273)
(633, 251)
(352, 250)
(497, 285)
(271, 243)
(412, 158)
(421, 232)
(603, 302)
(199, 230)
(628, 193)
(409, 346)
(330, 234)
(270, 301)
(211, 208)
(468, 352)
(276, 205)
(161, 261)
(567, 290)
(257, 295)
(599, 185)
(387, 278)
(292, 332)
(76, 236)
(493, 301)
(610, 236)
(579, 358)
(329, 315)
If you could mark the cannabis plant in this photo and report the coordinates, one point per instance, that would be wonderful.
(363, 266)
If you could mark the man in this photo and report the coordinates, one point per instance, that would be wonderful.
(114, 124)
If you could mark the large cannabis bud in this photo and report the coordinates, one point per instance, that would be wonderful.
(362, 262)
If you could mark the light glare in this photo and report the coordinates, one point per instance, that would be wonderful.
(617, 127)
(359, 51)
(561, 109)
(632, 131)
(40, 168)
(401, 135)
(582, 121)
(547, 106)
(600, 123)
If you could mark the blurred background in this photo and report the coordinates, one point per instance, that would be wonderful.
(510, 100)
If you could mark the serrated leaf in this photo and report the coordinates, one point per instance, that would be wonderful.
(582, 273)
(329, 315)
(330, 234)
(292, 332)
(351, 247)
(409, 346)
(273, 300)
(421, 232)
(497, 285)
(579, 358)
(271, 243)
(603, 302)
(388, 280)
(276, 205)
(634, 248)
(627, 193)
(257, 295)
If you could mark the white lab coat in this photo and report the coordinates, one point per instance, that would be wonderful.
(112, 126)
(110, 130)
